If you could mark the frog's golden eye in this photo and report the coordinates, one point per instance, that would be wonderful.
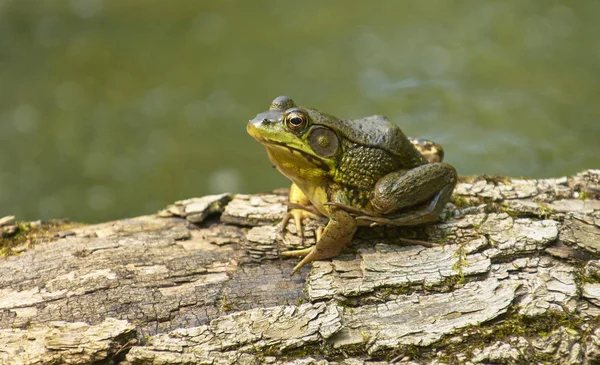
(296, 120)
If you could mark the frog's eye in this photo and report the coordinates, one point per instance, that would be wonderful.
(296, 120)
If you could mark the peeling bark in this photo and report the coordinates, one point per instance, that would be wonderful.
(515, 278)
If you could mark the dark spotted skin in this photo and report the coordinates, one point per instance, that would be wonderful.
(360, 167)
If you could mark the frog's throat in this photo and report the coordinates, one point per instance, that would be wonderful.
(280, 152)
(306, 174)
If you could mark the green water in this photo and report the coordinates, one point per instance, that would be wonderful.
(114, 108)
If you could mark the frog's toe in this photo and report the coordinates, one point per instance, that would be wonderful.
(308, 254)
(311, 255)
(319, 232)
(302, 252)
(297, 215)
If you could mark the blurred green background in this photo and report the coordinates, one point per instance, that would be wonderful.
(114, 108)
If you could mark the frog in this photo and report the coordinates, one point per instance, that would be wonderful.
(355, 172)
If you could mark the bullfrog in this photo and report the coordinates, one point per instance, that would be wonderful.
(360, 172)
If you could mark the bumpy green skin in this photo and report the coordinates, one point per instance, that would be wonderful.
(356, 172)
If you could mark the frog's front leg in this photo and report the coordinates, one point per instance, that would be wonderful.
(301, 208)
(337, 234)
(431, 183)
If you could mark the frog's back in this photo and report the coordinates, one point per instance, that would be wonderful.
(379, 132)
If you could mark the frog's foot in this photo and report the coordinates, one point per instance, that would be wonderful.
(330, 242)
(306, 252)
(319, 233)
(309, 256)
(302, 252)
(298, 214)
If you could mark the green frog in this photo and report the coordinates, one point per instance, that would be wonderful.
(361, 172)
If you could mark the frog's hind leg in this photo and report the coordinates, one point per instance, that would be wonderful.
(425, 215)
(432, 183)
(337, 235)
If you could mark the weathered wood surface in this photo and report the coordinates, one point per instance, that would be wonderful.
(515, 278)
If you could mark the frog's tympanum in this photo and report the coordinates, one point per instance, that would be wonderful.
(355, 172)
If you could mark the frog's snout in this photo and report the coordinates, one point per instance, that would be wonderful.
(264, 119)
(252, 126)
(255, 125)
(258, 122)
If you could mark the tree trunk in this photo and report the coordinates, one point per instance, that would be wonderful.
(514, 277)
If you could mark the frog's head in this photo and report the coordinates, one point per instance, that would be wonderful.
(298, 140)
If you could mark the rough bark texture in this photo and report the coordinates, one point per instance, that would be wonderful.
(515, 278)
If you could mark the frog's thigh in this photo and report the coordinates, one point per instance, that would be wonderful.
(398, 190)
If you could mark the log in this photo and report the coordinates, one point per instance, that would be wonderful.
(513, 277)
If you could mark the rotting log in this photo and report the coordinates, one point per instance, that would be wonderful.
(515, 278)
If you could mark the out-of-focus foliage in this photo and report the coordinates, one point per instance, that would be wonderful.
(110, 108)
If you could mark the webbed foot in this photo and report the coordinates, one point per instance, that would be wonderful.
(337, 234)
(309, 256)
(308, 253)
